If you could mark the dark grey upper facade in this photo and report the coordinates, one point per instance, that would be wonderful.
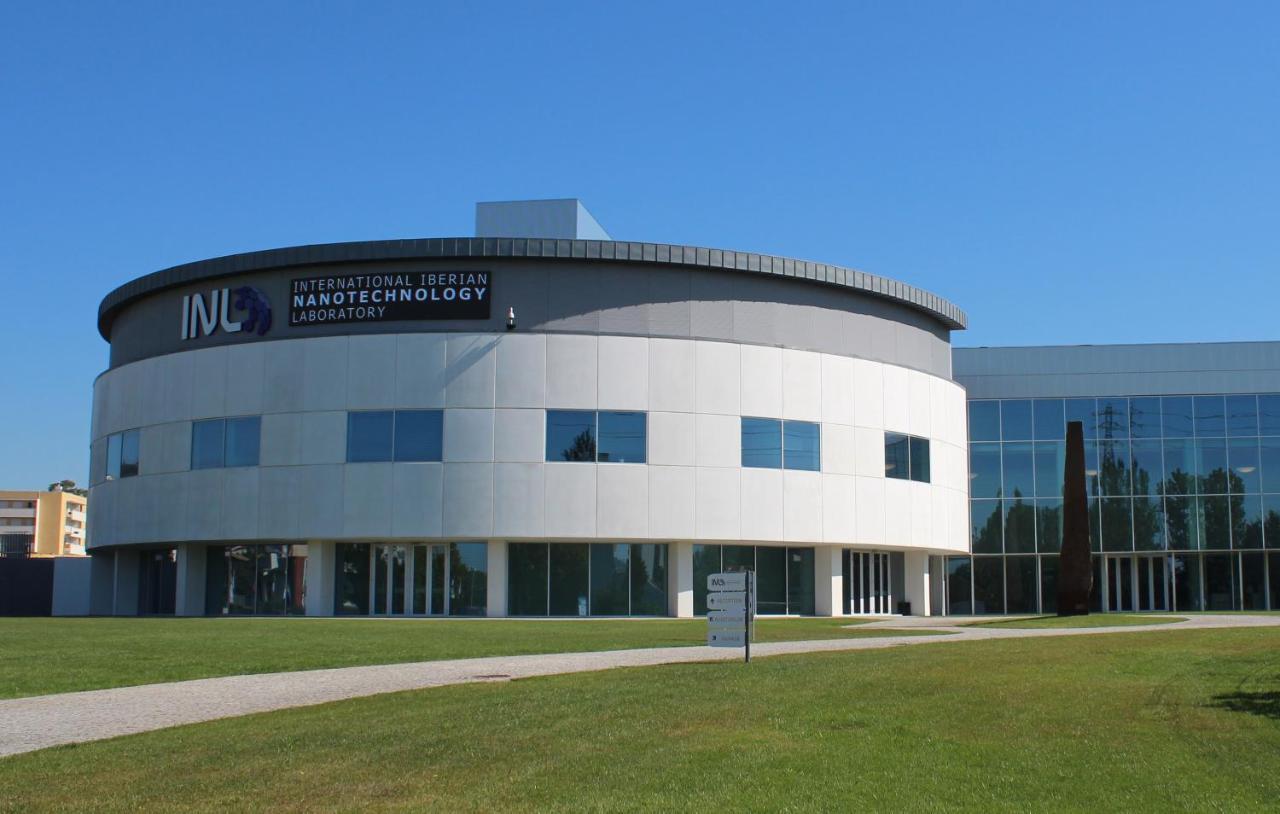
(571, 286)
(1066, 371)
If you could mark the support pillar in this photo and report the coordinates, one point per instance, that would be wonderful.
(497, 585)
(680, 580)
(916, 582)
(828, 581)
(321, 575)
(189, 591)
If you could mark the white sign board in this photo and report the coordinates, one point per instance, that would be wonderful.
(727, 582)
(727, 638)
(737, 617)
(727, 600)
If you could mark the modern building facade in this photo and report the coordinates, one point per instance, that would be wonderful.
(523, 426)
(42, 524)
(1182, 466)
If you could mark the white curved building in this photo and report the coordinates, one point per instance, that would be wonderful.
(363, 428)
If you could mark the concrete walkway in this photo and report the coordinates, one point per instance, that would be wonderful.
(38, 722)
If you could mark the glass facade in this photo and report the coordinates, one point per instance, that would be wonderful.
(256, 580)
(1183, 497)
(587, 579)
(784, 576)
(413, 579)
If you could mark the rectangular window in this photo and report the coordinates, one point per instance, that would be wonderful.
(468, 579)
(571, 435)
(419, 435)
(587, 436)
(206, 444)
(243, 438)
(920, 459)
(113, 456)
(801, 445)
(762, 443)
(369, 436)
(897, 456)
(128, 453)
(622, 438)
(906, 457)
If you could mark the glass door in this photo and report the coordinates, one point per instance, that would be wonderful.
(1133, 582)
(389, 574)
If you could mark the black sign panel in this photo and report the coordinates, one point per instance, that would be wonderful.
(389, 297)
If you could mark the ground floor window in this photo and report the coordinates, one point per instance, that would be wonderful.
(784, 576)
(1128, 581)
(416, 579)
(255, 580)
(868, 582)
(587, 579)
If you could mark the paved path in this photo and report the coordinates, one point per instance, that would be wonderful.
(27, 724)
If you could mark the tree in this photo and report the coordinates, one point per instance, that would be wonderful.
(68, 486)
(583, 448)
(1075, 567)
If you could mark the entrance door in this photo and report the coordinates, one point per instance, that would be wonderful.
(410, 580)
(431, 580)
(1136, 582)
(389, 574)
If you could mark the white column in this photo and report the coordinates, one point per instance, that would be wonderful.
(322, 559)
(189, 591)
(828, 581)
(916, 582)
(680, 580)
(125, 587)
(497, 584)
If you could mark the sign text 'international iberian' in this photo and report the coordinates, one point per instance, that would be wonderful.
(389, 297)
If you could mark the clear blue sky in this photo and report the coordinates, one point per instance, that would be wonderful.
(1067, 172)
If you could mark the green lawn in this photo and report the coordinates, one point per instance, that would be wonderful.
(1178, 720)
(1092, 620)
(45, 655)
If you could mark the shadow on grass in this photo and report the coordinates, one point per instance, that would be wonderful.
(1265, 704)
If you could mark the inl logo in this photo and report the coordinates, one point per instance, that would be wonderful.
(201, 318)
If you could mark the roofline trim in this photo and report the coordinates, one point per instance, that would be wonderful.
(531, 248)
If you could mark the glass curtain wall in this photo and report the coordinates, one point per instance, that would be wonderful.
(256, 580)
(1195, 475)
(784, 576)
(411, 579)
(587, 579)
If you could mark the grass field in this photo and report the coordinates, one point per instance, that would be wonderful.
(1092, 620)
(1177, 720)
(39, 656)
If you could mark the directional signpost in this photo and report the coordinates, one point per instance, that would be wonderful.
(731, 609)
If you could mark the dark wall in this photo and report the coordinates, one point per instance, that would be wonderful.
(598, 298)
(26, 586)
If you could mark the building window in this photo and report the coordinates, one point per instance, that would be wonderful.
(220, 442)
(603, 436)
(784, 576)
(419, 435)
(256, 580)
(906, 457)
(801, 442)
(770, 443)
(581, 579)
(394, 435)
(122, 454)
(762, 443)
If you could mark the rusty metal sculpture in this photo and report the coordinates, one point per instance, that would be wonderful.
(1075, 567)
